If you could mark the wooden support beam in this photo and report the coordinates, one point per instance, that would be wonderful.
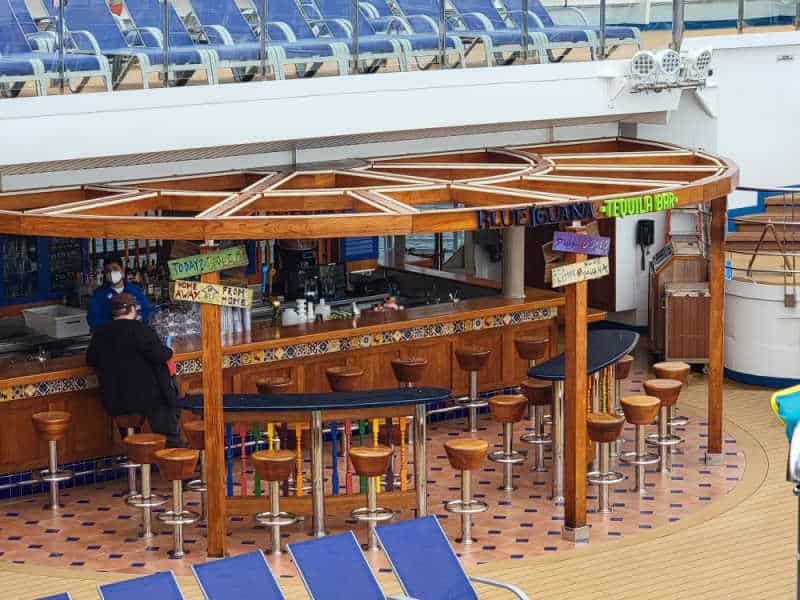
(214, 420)
(716, 330)
(575, 527)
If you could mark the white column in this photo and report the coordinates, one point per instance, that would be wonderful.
(514, 262)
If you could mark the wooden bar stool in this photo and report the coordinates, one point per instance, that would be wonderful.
(531, 347)
(539, 395)
(176, 465)
(346, 379)
(640, 411)
(679, 371)
(142, 448)
(409, 371)
(274, 466)
(130, 424)
(466, 455)
(508, 409)
(195, 433)
(667, 391)
(472, 359)
(52, 426)
(371, 462)
(604, 429)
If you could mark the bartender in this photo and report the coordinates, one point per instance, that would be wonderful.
(115, 283)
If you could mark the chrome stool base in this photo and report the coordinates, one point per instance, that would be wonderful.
(280, 519)
(177, 518)
(538, 437)
(607, 478)
(376, 515)
(470, 507)
(466, 506)
(639, 458)
(53, 478)
(372, 514)
(151, 501)
(514, 458)
(604, 477)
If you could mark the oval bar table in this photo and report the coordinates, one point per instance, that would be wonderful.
(604, 347)
(337, 406)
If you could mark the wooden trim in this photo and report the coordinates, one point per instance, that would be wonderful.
(716, 331)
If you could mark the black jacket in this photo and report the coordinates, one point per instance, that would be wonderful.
(130, 360)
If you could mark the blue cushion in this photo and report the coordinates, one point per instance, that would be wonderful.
(244, 577)
(11, 67)
(158, 586)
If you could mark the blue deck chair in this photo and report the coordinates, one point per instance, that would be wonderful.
(223, 22)
(62, 596)
(333, 568)
(415, 44)
(93, 28)
(426, 565)
(563, 38)
(40, 40)
(243, 59)
(244, 577)
(423, 17)
(158, 586)
(572, 18)
(15, 73)
(14, 45)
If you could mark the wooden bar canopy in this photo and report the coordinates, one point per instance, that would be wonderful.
(429, 193)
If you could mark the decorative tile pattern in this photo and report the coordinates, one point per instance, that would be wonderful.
(188, 367)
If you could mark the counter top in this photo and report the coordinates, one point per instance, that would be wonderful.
(262, 336)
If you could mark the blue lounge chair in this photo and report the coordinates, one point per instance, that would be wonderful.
(426, 565)
(421, 16)
(222, 20)
(333, 568)
(158, 586)
(244, 577)
(62, 596)
(415, 45)
(14, 45)
(94, 29)
(15, 73)
(566, 38)
(41, 40)
(572, 18)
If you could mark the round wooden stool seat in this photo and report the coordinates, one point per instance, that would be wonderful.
(604, 427)
(274, 465)
(177, 464)
(538, 392)
(409, 370)
(531, 347)
(343, 379)
(466, 454)
(195, 432)
(666, 390)
(129, 421)
(640, 410)
(508, 408)
(672, 370)
(273, 385)
(472, 358)
(142, 447)
(370, 461)
(52, 425)
(623, 367)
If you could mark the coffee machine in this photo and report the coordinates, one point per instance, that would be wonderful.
(297, 273)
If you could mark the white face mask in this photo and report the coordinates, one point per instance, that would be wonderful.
(114, 277)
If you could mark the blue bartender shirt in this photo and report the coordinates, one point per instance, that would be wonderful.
(100, 304)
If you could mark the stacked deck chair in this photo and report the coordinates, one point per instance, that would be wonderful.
(45, 64)
(572, 18)
(93, 28)
(421, 16)
(564, 38)
(243, 59)
(38, 38)
(415, 45)
(222, 20)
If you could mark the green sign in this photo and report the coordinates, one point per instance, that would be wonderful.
(229, 258)
(636, 205)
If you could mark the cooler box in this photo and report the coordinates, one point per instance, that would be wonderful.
(57, 321)
(687, 314)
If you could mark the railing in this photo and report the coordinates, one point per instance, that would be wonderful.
(98, 45)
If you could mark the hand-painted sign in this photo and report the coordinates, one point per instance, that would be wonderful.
(728, 271)
(582, 271)
(532, 216)
(210, 293)
(636, 205)
(564, 241)
(227, 258)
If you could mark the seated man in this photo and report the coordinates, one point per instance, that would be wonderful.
(131, 363)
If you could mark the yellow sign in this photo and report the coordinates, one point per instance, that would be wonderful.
(210, 293)
(582, 271)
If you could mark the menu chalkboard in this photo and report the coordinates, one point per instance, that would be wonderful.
(66, 259)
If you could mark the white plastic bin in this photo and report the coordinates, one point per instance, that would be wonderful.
(57, 321)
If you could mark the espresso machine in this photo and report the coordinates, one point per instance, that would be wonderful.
(297, 273)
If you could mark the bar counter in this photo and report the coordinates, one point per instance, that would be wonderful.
(300, 352)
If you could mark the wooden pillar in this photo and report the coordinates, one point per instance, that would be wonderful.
(575, 527)
(214, 420)
(716, 330)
